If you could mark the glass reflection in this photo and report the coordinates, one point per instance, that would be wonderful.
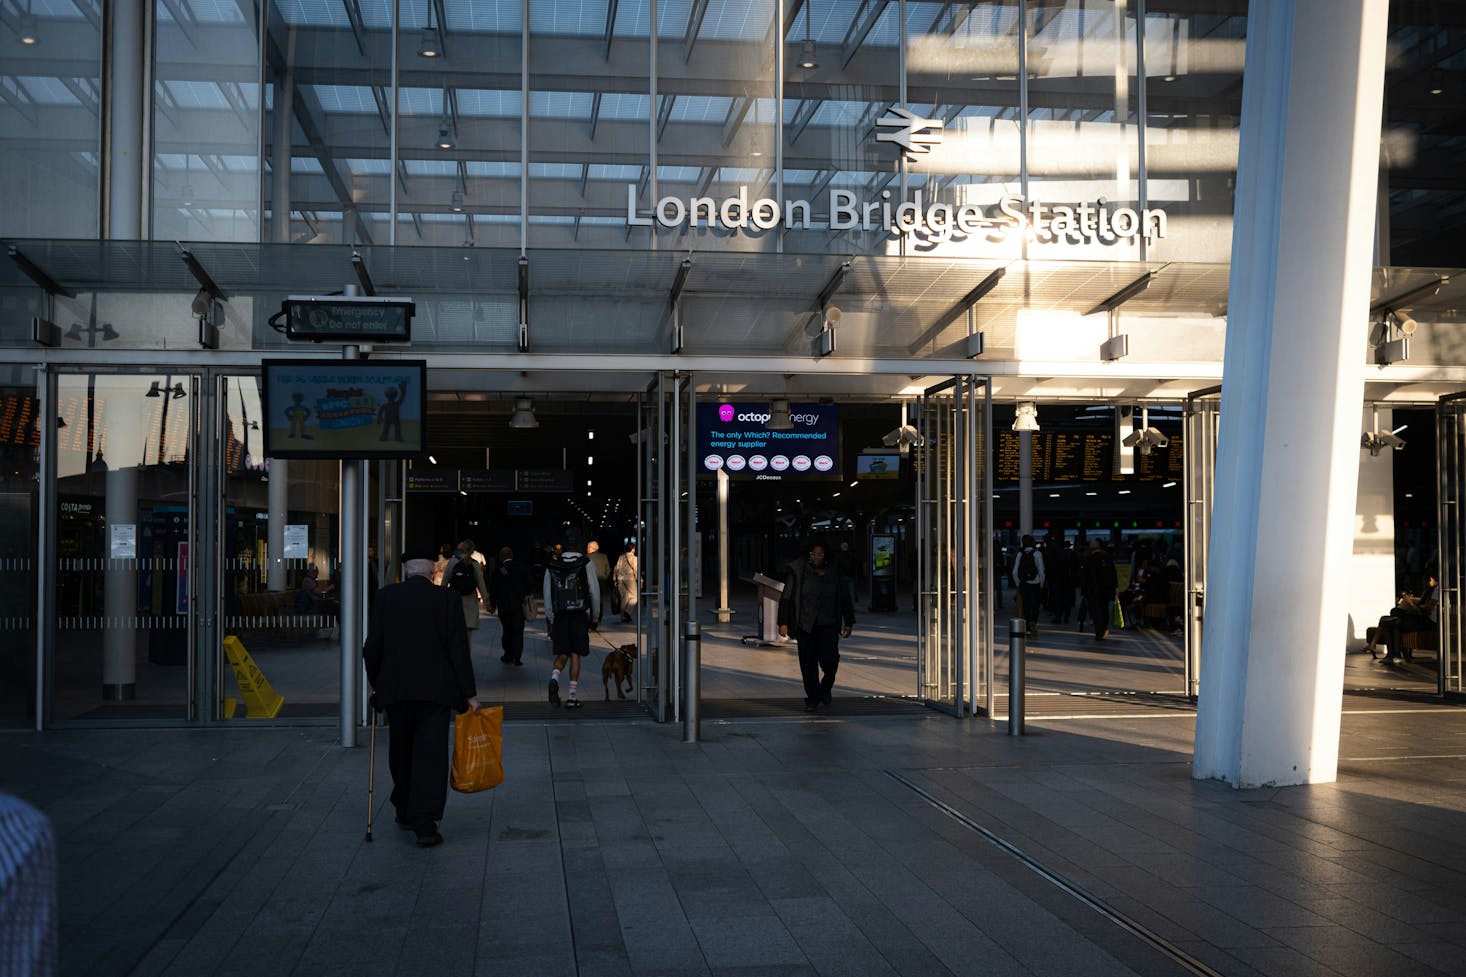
(20, 440)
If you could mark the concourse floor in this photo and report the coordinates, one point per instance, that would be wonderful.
(783, 845)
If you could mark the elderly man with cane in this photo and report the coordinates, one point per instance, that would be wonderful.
(418, 664)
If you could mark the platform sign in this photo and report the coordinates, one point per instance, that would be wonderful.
(732, 438)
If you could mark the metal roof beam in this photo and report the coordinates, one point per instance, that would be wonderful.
(694, 25)
(963, 304)
(610, 29)
(1124, 295)
(31, 270)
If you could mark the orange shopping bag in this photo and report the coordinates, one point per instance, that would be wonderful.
(478, 750)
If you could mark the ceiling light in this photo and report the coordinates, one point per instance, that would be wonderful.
(429, 46)
(1026, 418)
(29, 29)
(445, 135)
(523, 416)
(1407, 325)
(807, 57)
(457, 201)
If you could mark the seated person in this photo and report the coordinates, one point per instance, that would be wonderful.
(1410, 614)
(314, 597)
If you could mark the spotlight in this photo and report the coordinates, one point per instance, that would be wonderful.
(457, 202)
(445, 135)
(779, 419)
(807, 59)
(29, 30)
(429, 46)
(1407, 325)
(1026, 418)
(523, 416)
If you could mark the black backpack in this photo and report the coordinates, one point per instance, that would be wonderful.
(568, 590)
(461, 578)
(1027, 567)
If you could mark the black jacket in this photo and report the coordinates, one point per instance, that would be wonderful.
(417, 646)
(1098, 573)
(791, 604)
(507, 586)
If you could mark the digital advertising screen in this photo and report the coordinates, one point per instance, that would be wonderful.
(731, 437)
(346, 409)
(878, 464)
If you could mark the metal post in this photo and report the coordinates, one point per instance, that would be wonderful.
(692, 663)
(1016, 630)
(352, 566)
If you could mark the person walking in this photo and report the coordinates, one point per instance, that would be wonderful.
(628, 578)
(465, 577)
(418, 667)
(1028, 578)
(817, 605)
(508, 586)
(1101, 586)
(602, 568)
(572, 601)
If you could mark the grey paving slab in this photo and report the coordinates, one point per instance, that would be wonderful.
(775, 846)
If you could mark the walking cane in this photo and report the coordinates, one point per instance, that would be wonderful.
(371, 771)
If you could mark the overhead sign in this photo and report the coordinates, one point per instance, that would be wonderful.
(348, 318)
(732, 438)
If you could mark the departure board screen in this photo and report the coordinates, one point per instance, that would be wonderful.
(1083, 456)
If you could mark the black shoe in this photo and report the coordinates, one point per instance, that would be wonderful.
(825, 697)
(573, 703)
(403, 824)
(517, 663)
(505, 659)
(810, 706)
(554, 692)
(429, 839)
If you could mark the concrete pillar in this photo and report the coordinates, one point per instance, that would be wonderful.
(278, 493)
(119, 591)
(1025, 482)
(1288, 451)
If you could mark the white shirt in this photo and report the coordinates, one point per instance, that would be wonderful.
(1038, 559)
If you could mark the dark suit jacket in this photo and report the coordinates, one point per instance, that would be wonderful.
(507, 586)
(417, 646)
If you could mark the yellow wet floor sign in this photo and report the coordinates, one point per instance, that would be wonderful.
(260, 701)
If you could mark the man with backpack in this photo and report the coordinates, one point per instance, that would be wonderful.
(572, 601)
(1028, 577)
(465, 577)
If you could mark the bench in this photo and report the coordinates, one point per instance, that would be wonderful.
(1412, 641)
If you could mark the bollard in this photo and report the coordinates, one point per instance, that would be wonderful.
(691, 665)
(1017, 628)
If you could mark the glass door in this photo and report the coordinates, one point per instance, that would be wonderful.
(1450, 426)
(1203, 414)
(952, 458)
(659, 609)
(125, 545)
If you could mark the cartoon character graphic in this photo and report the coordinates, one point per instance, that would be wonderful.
(389, 414)
(297, 413)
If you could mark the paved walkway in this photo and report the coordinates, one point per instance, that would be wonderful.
(838, 845)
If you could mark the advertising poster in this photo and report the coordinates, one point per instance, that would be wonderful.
(878, 464)
(732, 437)
(350, 409)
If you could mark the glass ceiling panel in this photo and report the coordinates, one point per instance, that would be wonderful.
(368, 166)
(487, 103)
(305, 164)
(623, 107)
(56, 10)
(491, 169)
(679, 174)
(737, 20)
(833, 113)
(560, 105)
(609, 171)
(584, 18)
(484, 16)
(377, 14)
(634, 18)
(346, 98)
(419, 101)
(672, 17)
(195, 94)
(206, 12)
(555, 171)
(430, 167)
(701, 108)
(47, 91)
(313, 13)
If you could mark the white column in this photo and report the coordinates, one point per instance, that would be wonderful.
(1372, 571)
(278, 494)
(119, 591)
(1025, 482)
(1288, 451)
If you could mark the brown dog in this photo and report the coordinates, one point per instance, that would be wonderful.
(618, 665)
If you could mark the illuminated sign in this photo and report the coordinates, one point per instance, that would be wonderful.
(1082, 223)
(732, 439)
(348, 318)
(913, 134)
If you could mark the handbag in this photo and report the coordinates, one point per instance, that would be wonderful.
(1117, 615)
(478, 750)
(529, 608)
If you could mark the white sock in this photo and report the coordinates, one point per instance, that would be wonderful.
(555, 674)
(573, 684)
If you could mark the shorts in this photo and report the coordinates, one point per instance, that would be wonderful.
(570, 634)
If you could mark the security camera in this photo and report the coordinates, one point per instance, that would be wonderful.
(903, 438)
(1145, 439)
(1377, 441)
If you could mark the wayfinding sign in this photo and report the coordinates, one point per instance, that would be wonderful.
(348, 318)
